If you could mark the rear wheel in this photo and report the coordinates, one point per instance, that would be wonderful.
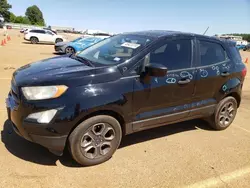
(34, 40)
(224, 114)
(95, 140)
(59, 40)
(69, 50)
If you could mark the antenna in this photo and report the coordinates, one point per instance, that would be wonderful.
(206, 30)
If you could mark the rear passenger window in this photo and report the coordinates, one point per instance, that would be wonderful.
(211, 53)
(37, 31)
(176, 54)
(41, 31)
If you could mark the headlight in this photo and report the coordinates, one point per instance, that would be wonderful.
(43, 92)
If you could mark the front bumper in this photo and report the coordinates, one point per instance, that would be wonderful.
(28, 130)
(59, 49)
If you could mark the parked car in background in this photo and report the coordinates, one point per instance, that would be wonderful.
(246, 48)
(76, 45)
(240, 46)
(61, 46)
(131, 82)
(1, 19)
(43, 36)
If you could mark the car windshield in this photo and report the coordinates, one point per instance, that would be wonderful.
(116, 49)
(89, 39)
(77, 39)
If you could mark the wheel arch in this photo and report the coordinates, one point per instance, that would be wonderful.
(111, 113)
(34, 37)
(59, 39)
(236, 96)
(232, 88)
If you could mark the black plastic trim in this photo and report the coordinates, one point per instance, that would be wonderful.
(173, 118)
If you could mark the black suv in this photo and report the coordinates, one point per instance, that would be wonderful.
(124, 84)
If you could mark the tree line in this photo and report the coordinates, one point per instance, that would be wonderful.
(33, 15)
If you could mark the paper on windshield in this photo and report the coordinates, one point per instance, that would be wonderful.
(130, 45)
(117, 59)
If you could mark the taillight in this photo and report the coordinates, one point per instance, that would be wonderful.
(244, 72)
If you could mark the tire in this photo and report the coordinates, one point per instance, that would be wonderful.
(225, 113)
(69, 50)
(59, 40)
(95, 140)
(34, 40)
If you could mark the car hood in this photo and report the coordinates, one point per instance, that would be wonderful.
(61, 43)
(61, 70)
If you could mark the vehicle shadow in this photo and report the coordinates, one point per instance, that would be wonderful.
(25, 42)
(35, 153)
(58, 53)
(163, 131)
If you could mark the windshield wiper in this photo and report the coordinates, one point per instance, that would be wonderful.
(81, 59)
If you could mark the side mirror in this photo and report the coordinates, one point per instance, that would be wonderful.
(156, 70)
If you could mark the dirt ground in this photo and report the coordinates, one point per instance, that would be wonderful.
(187, 154)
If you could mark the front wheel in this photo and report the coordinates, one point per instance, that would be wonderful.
(224, 114)
(95, 140)
(69, 50)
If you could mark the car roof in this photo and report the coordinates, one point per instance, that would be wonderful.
(38, 29)
(166, 33)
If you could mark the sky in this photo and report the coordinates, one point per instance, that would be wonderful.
(222, 16)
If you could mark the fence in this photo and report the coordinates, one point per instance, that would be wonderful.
(20, 26)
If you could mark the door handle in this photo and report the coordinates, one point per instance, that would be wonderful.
(224, 74)
(182, 82)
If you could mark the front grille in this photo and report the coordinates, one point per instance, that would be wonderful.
(57, 48)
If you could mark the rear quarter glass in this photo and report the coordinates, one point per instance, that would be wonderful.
(238, 63)
(235, 53)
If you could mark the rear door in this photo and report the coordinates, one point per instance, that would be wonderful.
(214, 69)
(49, 37)
(40, 35)
(167, 99)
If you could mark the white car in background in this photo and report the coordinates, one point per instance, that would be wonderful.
(43, 36)
(1, 19)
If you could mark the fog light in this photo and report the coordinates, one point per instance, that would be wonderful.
(43, 117)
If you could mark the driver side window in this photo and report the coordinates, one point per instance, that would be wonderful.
(174, 54)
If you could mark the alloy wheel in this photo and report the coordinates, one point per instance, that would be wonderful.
(227, 114)
(69, 50)
(97, 141)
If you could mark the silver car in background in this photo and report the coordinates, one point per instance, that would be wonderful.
(61, 47)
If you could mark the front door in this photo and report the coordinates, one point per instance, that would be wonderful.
(162, 100)
(49, 37)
